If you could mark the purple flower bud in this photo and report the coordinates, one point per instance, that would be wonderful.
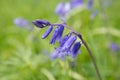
(47, 32)
(61, 29)
(41, 23)
(75, 49)
(69, 42)
(90, 4)
(75, 3)
(54, 36)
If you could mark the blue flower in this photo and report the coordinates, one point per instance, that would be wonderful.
(69, 43)
(20, 22)
(57, 34)
(63, 40)
(54, 55)
(62, 9)
(61, 29)
(64, 48)
(66, 44)
(76, 3)
(47, 32)
(54, 36)
(75, 49)
(90, 4)
(114, 47)
(41, 23)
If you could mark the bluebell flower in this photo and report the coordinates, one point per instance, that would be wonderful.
(41, 23)
(114, 47)
(69, 42)
(62, 9)
(61, 29)
(47, 32)
(75, 49)
(54, 36)
(57, 34)
(54, 55)
(76, 3)
(20, 22)
(64, 48)
(63, 40)
(90, 4)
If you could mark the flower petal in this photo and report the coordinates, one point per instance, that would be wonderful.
(62, 42)
(69, 42)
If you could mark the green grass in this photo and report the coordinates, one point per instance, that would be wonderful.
(25, 56)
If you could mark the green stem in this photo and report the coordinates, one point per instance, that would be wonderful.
(92, 57)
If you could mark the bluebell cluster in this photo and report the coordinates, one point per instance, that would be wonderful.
(63, 8)
(67, 44)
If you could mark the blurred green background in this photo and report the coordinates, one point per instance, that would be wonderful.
(25, 56)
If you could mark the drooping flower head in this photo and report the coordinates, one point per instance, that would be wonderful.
(67, 44)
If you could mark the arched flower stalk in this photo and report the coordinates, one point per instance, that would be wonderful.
(67, 44)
